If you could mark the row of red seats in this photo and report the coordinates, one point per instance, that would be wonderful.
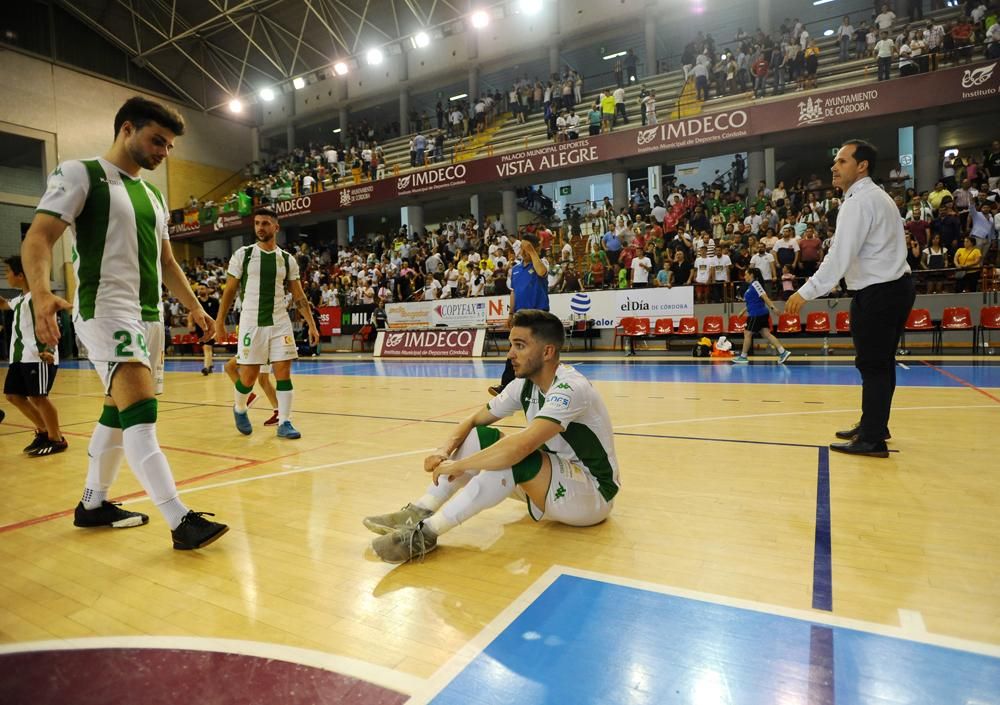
(189, 341)
(817, 323)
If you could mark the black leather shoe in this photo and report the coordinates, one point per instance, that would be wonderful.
(875, 449)
(852, 433)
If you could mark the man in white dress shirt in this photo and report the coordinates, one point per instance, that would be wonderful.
(870, 253)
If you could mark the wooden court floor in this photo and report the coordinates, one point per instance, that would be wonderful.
(720, 495)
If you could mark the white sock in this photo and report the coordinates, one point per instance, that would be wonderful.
(436, 495)
(285, 405)
(151, 468)
(106, 453)
(240, 400)
(485, 490)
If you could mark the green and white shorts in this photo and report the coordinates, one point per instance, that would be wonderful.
(573, 497)
(111, 342)
(261, 345)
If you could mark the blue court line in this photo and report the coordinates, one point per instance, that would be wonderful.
(822, 675)
(590, 642)
(822, 598)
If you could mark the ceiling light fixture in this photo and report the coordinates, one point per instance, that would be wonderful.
(480, 19)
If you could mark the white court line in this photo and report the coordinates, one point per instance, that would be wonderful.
(373, 458)
(447, 673)
(902, 365)
(815, 616)
(912, 621)
(468, 653)
(362, 670)
(294, 471)
(797, 413)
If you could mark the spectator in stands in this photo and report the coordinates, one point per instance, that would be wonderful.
(701, 275)
(884, 50)
(844, 34)
(763, 261)
(962, 35)
(786, 249)
(968, 261)
(861, 41)
(760, 68)
(981, 226)
(885, 19)
(641, 266)
(811, 57)
(935, 257)
(419, 147)
(936, 196)
(607, 110)
(700, 73)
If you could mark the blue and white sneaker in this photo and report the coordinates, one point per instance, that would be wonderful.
(286, 430)
(783, 357)
(243, 424)
(740, 360)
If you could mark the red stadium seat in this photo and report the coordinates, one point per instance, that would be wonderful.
(633, 328)
(688, 326)
(957, 318)
(361, 337)
(789, 324)
(919, 321)
(843, 323)
(989, 319)
(663, 327)
(818, 322)
(712, 325)
(737, 324)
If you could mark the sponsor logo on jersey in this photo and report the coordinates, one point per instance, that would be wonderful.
(560, 401)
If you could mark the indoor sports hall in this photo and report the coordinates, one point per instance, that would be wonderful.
(743, 561)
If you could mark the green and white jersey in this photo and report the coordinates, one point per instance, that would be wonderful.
(587, 438)
(120, 224)
(24, 344)
(262, 276)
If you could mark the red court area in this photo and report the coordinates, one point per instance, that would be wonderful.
(170, 676)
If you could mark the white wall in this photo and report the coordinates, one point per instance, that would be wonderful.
(79, 110)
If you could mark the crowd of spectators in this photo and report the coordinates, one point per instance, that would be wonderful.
(704, 237)
(790, 56)
(751, 63)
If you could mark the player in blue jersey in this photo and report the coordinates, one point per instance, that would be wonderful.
(758, 310)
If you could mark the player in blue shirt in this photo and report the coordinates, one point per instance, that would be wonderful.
(758, 310)
(529, 288)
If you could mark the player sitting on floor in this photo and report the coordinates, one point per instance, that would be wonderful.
(563, 463)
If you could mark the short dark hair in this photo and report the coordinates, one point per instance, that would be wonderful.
(543, 325)
(141, 111)
(265, 211)
(532, 238)
(864, 151)
(14, 264)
